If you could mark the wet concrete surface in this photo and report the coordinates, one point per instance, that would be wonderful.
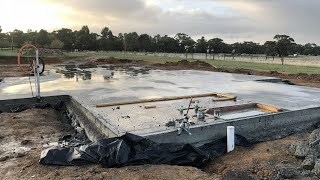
(104, 84)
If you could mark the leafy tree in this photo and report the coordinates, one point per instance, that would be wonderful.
(167, 44)
(31, 37)
(270, 48)
(106, 33)
(107, 40)
(310, 49)
(67, 37)
(93, 42)
(83, 38)
(202, 45)
(18, 38)
(184, 42)
(4, 42)
(217, 45)
(283, 44)
(156, 39)
(132, 41)
(297, 49)
(43, 38)
(56, 43)
(145, 43)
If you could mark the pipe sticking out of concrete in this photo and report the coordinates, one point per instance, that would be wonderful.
(223, 97)
(230, 138)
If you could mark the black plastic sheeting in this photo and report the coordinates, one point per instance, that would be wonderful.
(130, 149)
(59, 105)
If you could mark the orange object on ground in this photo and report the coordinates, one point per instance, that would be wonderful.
(19, 58)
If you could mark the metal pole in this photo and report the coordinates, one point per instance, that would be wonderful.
(37, 74)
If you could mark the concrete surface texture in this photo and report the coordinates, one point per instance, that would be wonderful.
(107, 84)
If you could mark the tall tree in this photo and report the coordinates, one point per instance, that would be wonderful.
(185, 42)
(145, 43)
(4, 39)
(283, 45)
(67, 37)
(132, 41)
(43, 38)
(107, 40)
(310, 49)
(270, 48)
(217, 45)
(56, 43)
(167, 44)
(83, 38)
(202, 45)
(17, 37)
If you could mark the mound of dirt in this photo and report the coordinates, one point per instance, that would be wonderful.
(185, 65)
(50, 52)
(112, 60)
(306, 77)
(267, 160)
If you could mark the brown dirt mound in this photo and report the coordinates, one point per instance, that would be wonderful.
(14, 60)
(112, 60)
(261, 161)
(306, 77)
(185, 65)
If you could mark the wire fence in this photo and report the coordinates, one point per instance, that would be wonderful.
(300, 60)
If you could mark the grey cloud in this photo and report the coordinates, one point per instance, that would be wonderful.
(297, 18)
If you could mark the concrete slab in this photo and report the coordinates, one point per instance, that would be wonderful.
(112, 83)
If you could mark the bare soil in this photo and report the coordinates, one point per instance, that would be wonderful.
(185, 65)
(23, 136)
(262, 160)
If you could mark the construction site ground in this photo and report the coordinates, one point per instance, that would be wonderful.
(23, 136)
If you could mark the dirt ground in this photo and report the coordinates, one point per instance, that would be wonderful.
(24, 135)
(262, 160)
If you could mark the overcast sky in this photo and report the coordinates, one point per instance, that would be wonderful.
(232, 20)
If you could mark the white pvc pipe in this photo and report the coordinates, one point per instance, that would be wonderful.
(230, 138)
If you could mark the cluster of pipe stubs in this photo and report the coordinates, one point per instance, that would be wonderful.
(184, 122)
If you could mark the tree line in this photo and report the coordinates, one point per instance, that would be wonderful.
(83, 39)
